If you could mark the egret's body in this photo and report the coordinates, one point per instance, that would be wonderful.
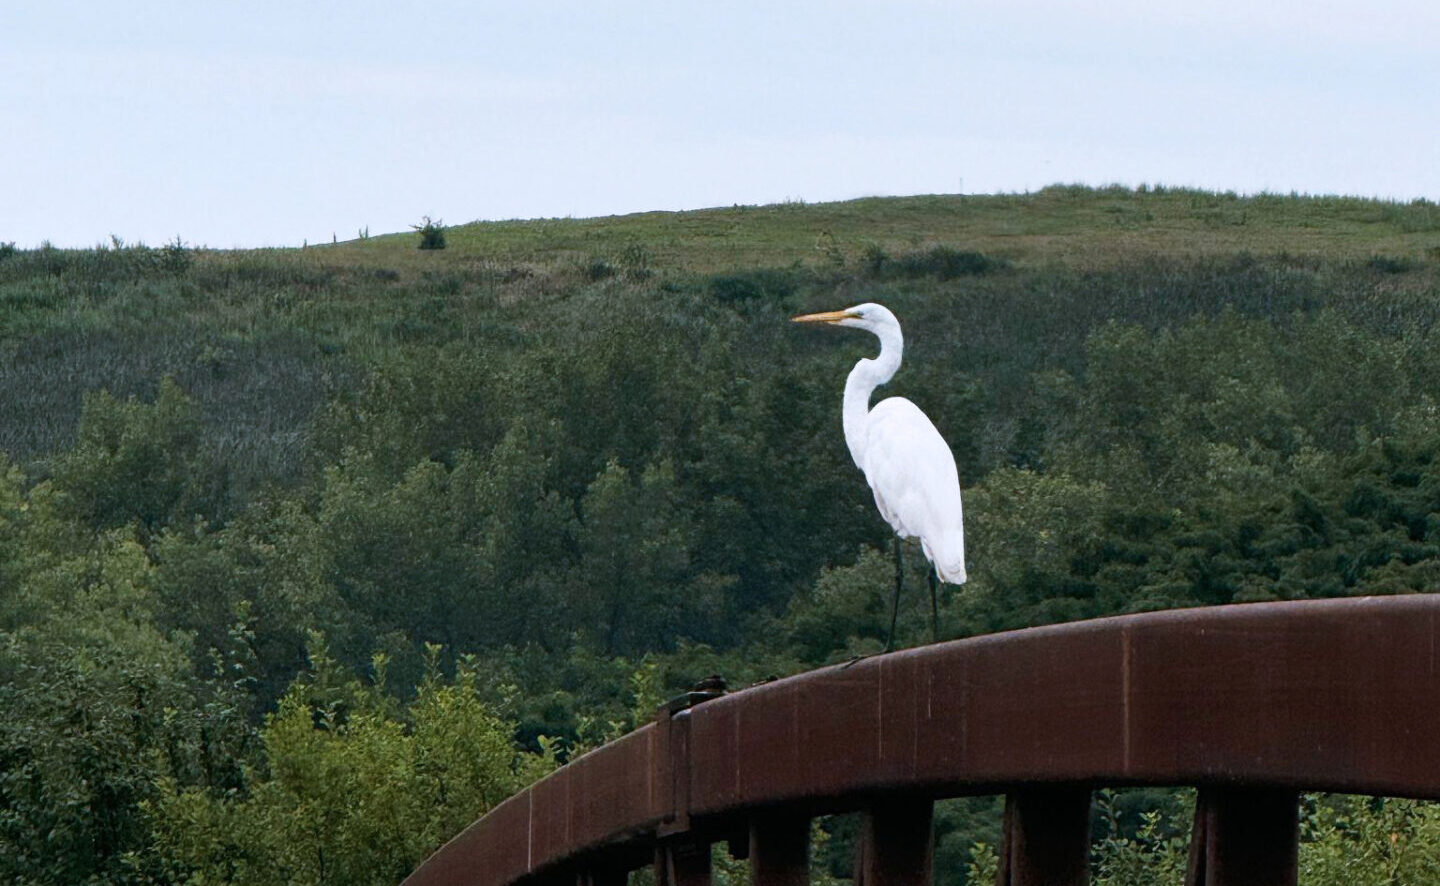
(917, 490)
(907, 463)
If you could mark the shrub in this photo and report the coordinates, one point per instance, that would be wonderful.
(1389, 264)
(945, 263)
(771, 284)
(874, 258)
(635, 261)
(176, 257)
(597, 269)
(432, 234)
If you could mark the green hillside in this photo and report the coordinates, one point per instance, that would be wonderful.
(1075, 225)
(285, 529)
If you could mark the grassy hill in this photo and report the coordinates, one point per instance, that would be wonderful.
(1079, 226)
(264, 336)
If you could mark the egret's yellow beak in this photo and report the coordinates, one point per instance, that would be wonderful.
(826, 317)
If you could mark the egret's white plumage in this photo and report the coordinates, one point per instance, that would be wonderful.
(905, 460)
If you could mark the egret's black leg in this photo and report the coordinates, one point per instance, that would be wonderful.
(895, 602)
(934, 611)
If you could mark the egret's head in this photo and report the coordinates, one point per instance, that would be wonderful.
(867, 316)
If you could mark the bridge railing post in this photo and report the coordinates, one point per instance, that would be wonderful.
(1046, 837)
(602, 876)
(682, 863)
(780, 849)
(1245, 836)
(897, 843)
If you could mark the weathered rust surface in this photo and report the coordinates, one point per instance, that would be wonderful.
(602, 876)
(780, 848)
(600, 799)
(897, 843)
(682, 863)
(1324, 695)
(1047, 837)
(1245, 837)
(1334, 695)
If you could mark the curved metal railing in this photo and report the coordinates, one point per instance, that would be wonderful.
(1250, 703)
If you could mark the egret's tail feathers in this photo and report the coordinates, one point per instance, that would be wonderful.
(948, 555)
(954, 575)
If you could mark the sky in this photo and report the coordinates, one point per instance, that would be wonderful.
(273, 124)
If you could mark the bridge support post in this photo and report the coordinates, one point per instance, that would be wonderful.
(897, 843)
(604, 876)
(1247, 836)
(681, 863)
(780, 849)
(1047, 837)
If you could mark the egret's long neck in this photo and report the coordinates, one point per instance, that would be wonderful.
(868, 375)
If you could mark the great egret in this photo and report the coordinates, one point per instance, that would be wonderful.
(905, 460)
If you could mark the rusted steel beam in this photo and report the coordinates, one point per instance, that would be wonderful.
(1047, 837)
(598, 800)
(780, 849)
(1315, 695)
(897, 842)
(1244, 837)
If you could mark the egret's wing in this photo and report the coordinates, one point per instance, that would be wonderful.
(912, 472)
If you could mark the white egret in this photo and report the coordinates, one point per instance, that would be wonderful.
(907, 463)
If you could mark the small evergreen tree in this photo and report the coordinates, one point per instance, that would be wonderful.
(432, 234)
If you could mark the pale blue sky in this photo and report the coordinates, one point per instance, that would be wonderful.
(266, 123)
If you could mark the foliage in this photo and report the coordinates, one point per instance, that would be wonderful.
(1344, 841)
(432, 234)
(354, 789)
(139, 463)
(592, 463)
(940, 262)
(176, 257)
(967, 830)
(1156, 852)
(634, 543)
(983, 866)
(769, 284)
(1369, 841)
(100, 709)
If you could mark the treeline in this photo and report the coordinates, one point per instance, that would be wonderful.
(343, 557)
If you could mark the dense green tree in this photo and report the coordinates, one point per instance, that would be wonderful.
(355, 787)
(139, 462)
(633, 585)
(100, 706)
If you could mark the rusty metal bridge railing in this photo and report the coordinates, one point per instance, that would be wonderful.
(1251, 704)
